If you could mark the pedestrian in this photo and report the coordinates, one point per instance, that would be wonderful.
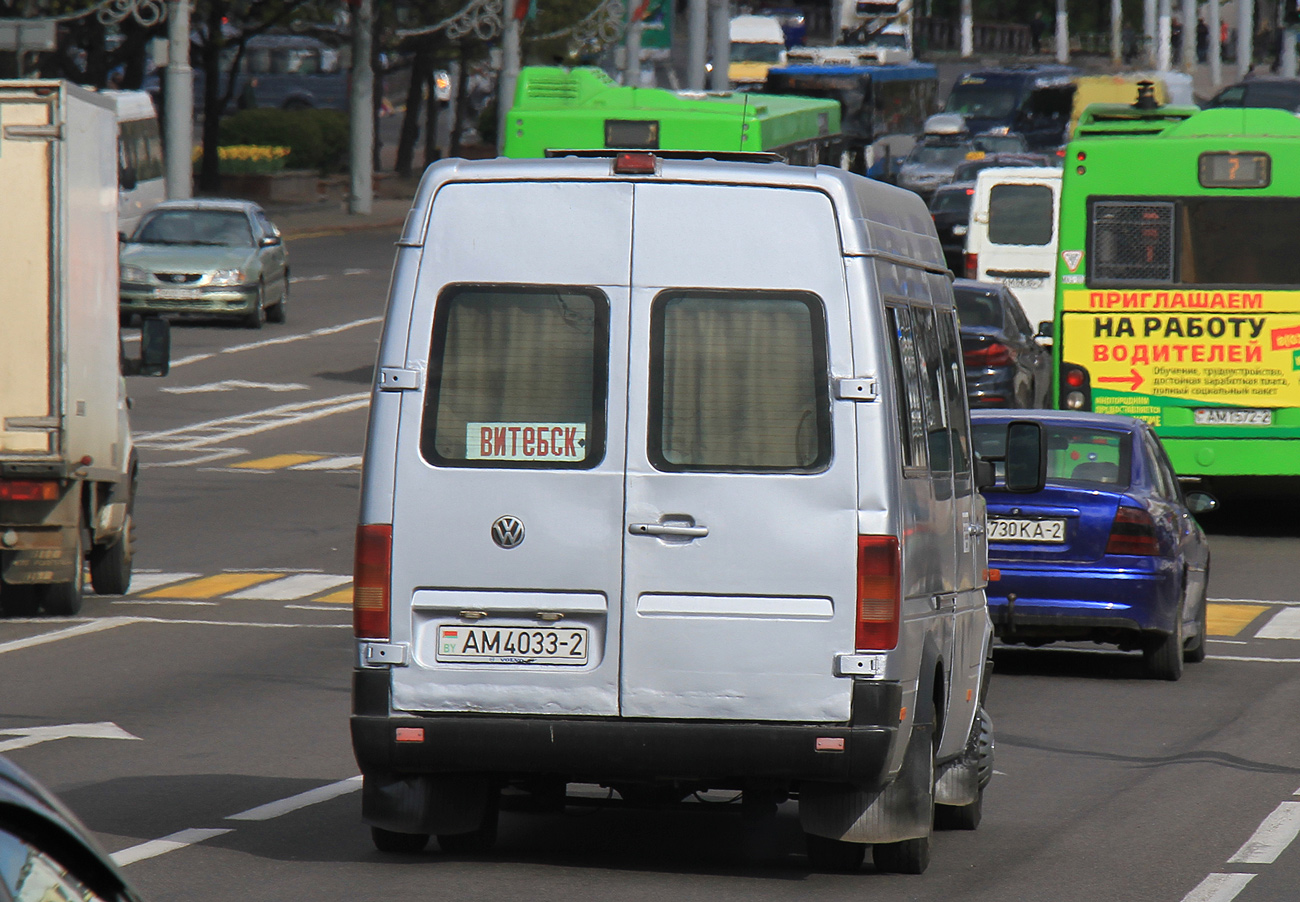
(1036, 28)
(1176, 40)
(1223, 41)
(1202, 41)
(1128, 40)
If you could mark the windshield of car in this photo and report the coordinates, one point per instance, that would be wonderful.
(1076, 455)
(999, 143)
(939, 156)
(217, 227)
(892, 41)
(975, 308)
(982, 100)
(756, 53)
(956, 200)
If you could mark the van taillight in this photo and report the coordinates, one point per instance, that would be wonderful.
(370, 580)
(878, 593)
(1133, 532)
(972, 266)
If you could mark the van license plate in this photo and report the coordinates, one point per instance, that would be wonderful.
(1233, 416)
(1023, 283)
(1006, 530)
(511, 645)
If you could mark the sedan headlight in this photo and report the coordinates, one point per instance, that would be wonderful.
(131, 273)
(227, 277)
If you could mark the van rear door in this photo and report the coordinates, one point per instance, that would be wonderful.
(741, 520)
(1015, 236)
(506, 549)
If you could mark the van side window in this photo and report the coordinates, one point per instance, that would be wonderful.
(955, 388)
(936, 405)
(738, 382)
(907, 376)
(517, 378)
(1020, 214)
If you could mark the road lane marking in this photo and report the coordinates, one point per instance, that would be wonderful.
(1231, 619)
(291, 588)
(143, 582)
(201, 436)
(171, 601)
(230, 385)
(1255, 659)
(155, 847)
(1285, 624)
(1219, 888)
(221, 454)
(211, 586)
(29, 736)
(301, 800)
(276, 461)
(343, 596)
(1291, 604)
(332, 463)
(1272, 837)
(80, 629)
(302, 336)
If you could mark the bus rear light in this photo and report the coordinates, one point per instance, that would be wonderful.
(371, 578)
(1075, 387)
(995, 354)
(1133, 532)
(29, 490)
(972, 266)
(878, 593)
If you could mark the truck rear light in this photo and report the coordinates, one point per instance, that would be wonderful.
(878, 593)
(29, 490)
(371, 577)
(972, 266)
(995, 354)
(1133, 532)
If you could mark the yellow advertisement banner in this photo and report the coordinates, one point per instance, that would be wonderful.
(1249, 359)
(1220, 302)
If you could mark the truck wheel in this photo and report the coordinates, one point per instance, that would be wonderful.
(110, 567)
(64, 599)
(398, 843)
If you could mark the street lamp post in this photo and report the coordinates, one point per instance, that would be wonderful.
(178, 103)
(361, 119)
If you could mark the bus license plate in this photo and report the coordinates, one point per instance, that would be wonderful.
(511, 645)
(1006, 530)
(1233, 416)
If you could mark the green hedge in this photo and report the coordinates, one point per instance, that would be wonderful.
(317, 139)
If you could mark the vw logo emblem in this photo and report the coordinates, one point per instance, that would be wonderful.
(508, 532)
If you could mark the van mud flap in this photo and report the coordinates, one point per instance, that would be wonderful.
(904, 809)
(426, 804)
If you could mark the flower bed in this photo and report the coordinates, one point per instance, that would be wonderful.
(247, 159)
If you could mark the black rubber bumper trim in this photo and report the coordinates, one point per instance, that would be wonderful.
(370, 691)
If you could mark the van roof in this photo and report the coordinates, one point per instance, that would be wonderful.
(875, 219)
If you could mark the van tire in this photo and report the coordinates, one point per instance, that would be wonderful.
(110, 566)
(477, 841)
(912, 856)
(64, 599)
(834, 855)
(398, 843)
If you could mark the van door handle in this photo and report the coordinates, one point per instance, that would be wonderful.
(659, 529)
(975, 529)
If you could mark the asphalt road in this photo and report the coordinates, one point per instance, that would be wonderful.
(219, 766)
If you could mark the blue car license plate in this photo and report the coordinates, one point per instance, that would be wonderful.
(1005, 529)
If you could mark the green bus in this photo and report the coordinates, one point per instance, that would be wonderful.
(584, 109)
(1178, 283)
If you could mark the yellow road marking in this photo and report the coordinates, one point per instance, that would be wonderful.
(342, 596)
(1231, 619)
(276, 461)
(211, 586)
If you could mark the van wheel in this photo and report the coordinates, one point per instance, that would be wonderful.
(398, 843)
(477, 841)
(110, 567)
(834, 855)
(967, 817)
(64, 599)
(912, 856)
(960, 817)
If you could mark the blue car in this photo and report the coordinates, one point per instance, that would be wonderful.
(1108, 551)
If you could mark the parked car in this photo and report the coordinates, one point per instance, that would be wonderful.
(1005, 364)
(1277, 91)
(213, 257)
(1109, 550)
(950, 210)
(45, 852)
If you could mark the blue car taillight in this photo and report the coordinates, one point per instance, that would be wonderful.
(1133, 532)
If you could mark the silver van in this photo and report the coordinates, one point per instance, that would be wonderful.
(658, 499)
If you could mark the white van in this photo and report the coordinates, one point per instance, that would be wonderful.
(141, 176)
(1013, 234)
(665, 506)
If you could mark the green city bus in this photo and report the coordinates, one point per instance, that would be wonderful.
(584, 109)
(1178, 286)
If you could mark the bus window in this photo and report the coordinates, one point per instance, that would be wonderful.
(1223, 253)
(1021, 214)
(1132, 241)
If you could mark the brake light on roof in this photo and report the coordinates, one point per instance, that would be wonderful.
(634, 164)
(995, 354)
(878, 593)
(371, 576)
(1133, 532)
(972, 266)
(29, 490)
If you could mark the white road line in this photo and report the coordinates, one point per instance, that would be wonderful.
(301, 800)
(291, 588)
(1292, 604)
(1285, 624)
(330, 463)
(283, 626)
(226, 385)
(200, 436)
(302, 336)
(170, 601)
(221, 454)
(319, 607)
(143, 582)
(155, 847)
(1248, 658)
(81, 629)
(1219, 888)
(1272, 837)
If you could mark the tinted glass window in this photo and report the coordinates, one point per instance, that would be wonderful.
(1075, 455)
(517, 378)
(1224, 253)
(1000, 144)
(955, 389)
(215, 227)
(27, 874)
(938, 442)
(1021, 214)
(955, 201)
(738, 382)
(975, 308)
(1280, 95)
(1230, 96)
(982, 100)
(1132, 241)
(907, 379)
(932, 155)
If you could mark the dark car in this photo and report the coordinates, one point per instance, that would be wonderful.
(1107, 551)
(1005, 364)
(966, 172)
(950, 209)
(1033, 101)
(1274, 91)
(45, 852)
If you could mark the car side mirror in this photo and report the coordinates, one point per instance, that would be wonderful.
(1201, 502)
(155, 349)
(985, 474)
(269, 241)
(126, 177)
(1046, 329)
(1026, 458)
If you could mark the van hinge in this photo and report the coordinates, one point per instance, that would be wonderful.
(395, 378)
(862, 388)
(381, 654)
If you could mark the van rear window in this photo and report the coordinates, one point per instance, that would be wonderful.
(517, 378)
(1021, 214)
(738, 383)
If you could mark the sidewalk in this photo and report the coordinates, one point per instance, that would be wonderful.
(330, 216)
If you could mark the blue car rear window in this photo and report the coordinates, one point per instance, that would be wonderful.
(1076, 455)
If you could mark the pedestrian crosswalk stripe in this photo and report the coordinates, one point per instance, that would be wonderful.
(290, 588)
(276, 461)
(1231, 619)
(342, 596)
(331, 463)
(1285, 624)
(143, 582)
(211, 586)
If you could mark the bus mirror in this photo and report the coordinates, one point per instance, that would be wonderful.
(1026, 459)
